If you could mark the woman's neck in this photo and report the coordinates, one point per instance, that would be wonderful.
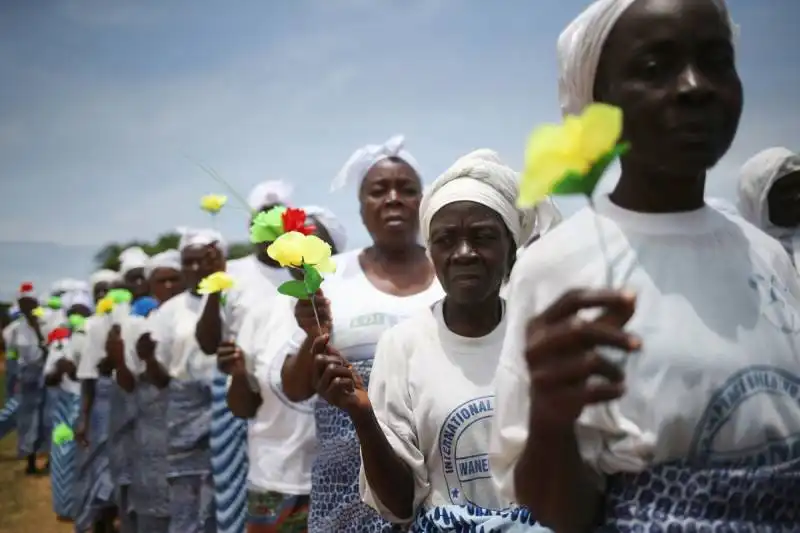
(400, 256)
(649, 191)
(473, 319)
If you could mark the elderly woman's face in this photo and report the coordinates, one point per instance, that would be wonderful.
(100, 289)
(390, 196)
(136, 282)
(669, 64)
(472, 251)
(784, 201)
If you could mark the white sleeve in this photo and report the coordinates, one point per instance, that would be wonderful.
(132, 329)
(93, 349)
(391, 402)
(160, 329)
(274, 339)
(55, 353)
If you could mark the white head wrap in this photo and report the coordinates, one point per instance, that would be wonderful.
(201, 237)
(723, 206)
(366, 157)
(166, 259)
(77, 297)
(580, 46)
(268, 193)
(104, 276)
(479, 177)
(132, 258)
(13, 310)
(756, 179)
(61, 286)
(328, 219)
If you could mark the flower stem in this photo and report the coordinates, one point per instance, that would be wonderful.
(602, 243)
(316, 315)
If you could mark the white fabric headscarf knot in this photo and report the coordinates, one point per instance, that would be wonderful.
(482, 178)
(366, 157)
(269, 193)
(166, 259)
(201, 237)
(581, 44)
(132, 258)
(756, 179)
(77, 297)
(335, 228)
(104, 276)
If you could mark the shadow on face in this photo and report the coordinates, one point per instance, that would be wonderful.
(136, 282)
(99, 290)
(165, 283)
(193, 266)
(389, 197)
(472, 251)
(669, 65)
(783, 201)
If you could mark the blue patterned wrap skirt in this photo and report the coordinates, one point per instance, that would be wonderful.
(228, 460)
(63, 457)
(192, 504)
(94, 489)
(468, 518)
(33, 414)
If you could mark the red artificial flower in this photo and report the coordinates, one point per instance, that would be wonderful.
(295, 220)
(26, 287)
(58, 334)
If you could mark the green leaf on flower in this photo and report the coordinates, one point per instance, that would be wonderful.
(294, 288)
(120, 296)
(312, 279)
(266, 227)
(585, 184)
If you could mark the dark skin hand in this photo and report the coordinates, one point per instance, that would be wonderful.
(155, 373)
(87, 399)
(340, 385)
(562, 358)
(243, 401)
(298, 369)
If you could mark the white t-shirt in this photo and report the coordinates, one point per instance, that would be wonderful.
(133, 327)
(718, 312)
(255, 285)
(173, 329)
(433, 394)
(68, 349)
(94, 350)
(281, 437)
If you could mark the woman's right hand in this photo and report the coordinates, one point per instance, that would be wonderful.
(145, 347)
(82, 433)
(563, 361)
(230, 359)
(307, 320)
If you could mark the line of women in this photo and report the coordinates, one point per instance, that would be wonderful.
(478, 366)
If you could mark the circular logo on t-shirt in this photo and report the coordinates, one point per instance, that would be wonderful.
(463, 446)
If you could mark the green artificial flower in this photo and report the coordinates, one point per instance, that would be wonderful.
(120, 296)
(62, 434)
(54, 302)
(266, 227)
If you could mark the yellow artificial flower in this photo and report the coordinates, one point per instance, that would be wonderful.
(105, 306)
(572, 148)
(216, 282)
(38, 312)
(293, 249)
(213, 203)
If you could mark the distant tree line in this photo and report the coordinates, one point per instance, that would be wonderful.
(108, 255)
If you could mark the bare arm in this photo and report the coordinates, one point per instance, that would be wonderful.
(297, 373)
(209, 327)
(567, 501)
(243, 400)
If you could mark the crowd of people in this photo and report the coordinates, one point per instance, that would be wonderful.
(479, 366)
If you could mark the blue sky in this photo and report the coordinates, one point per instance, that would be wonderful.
(101, 103)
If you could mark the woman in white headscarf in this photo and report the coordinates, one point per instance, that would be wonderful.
(8, 414)
(280, 436)
(670, 405)
(60, 373)
(173, 360)
(373, 289)
(424, 427)
(769, 196)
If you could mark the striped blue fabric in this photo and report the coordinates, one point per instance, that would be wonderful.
(63, 456)
(33, 414)
(8, 417)
(228, 461)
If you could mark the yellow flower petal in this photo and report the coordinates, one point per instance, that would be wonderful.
(288, 249)
(315, 250)
(214, 283)
(327, 266)
(105, 306)
(213, 203)
(38, 312)
(601, 128)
